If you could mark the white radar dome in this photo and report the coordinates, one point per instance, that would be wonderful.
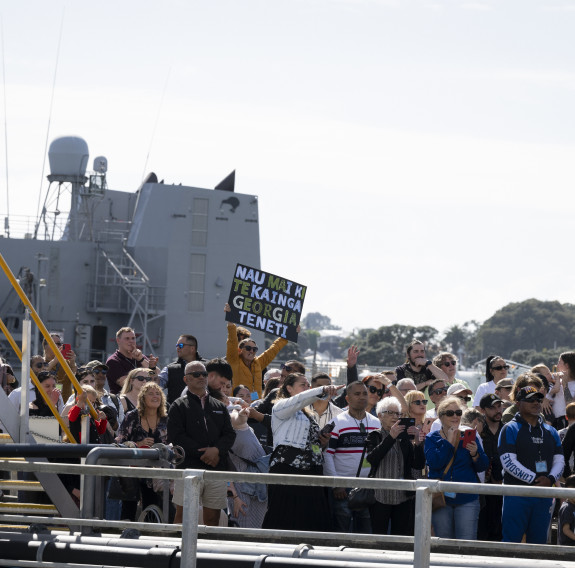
(68, 156)
(101, 164)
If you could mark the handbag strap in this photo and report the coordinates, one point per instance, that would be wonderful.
(448, 465)
(361, 460)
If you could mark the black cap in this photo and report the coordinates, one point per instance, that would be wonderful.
(528, 394)
(488, 400)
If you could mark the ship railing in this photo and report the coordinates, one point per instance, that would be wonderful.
(421, 543)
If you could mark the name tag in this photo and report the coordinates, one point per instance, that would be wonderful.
(365, 463)
(315, 449)
(255, 396)
(541, 467)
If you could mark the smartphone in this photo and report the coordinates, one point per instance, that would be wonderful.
(327, 428)
(407, 422)
(469, 436)
(66, 348)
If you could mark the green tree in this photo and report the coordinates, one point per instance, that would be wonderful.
(317, 321)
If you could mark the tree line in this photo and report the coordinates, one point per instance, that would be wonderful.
(530, 332)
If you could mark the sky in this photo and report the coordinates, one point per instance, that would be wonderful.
(413, 159)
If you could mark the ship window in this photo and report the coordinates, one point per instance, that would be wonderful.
(200, 222)
(197, 282)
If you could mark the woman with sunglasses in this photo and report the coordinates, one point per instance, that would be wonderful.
(133, 385)
(246, 364)
(495, 370)
(393, 454)
(448, 460)
(416, 406)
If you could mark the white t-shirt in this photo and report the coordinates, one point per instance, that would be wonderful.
(482, 390)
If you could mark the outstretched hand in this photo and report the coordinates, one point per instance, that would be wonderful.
(352, 354)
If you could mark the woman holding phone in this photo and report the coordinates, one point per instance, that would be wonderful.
(455, 453)
(393, 455)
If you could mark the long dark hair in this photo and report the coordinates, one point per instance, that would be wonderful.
(569, 359)
(488, 373)
(42, 376)
(289, 382)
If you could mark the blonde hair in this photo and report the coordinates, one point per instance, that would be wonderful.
(410, 397)
(448, 401)
(128, 383)
(91, 390)
(141, 405)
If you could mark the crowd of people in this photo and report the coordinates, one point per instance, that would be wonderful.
(236, 413)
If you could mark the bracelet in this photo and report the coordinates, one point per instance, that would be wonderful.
(476, 454)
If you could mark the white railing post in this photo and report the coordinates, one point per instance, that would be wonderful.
(422, 535)
(25, 378)
(192, 479)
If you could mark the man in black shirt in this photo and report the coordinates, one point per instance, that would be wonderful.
(418, 368)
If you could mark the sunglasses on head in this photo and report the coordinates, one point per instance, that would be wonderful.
(419, 401)
(451, 413)
(142, 379)
(374, 390)
(250, 348)
(449, 363)
(198, 374)
(181, 345)
(499, 367)
(439, 391)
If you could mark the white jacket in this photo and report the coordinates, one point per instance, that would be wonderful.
(290, 426)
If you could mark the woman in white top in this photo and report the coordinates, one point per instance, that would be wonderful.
(495, 369)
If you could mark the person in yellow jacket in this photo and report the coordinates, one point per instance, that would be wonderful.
(247, 367)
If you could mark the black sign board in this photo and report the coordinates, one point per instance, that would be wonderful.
(266, 302)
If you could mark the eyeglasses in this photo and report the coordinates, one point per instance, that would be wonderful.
(391, 412)
(250, 348)
(142, 379)
(374, 390)
(451, 413)
(181, 345)
(419, 401)
(449, 363)
(500, 367)
(438, 391)
(197, 374)
(464, 398)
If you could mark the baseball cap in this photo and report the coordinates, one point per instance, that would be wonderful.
(528, 394)
(95, 364)
(457, 388)
(488, 400)
(504, 383)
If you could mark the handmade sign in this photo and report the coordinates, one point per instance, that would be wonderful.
(266, 302)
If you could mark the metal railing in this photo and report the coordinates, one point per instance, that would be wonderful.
(423, 488)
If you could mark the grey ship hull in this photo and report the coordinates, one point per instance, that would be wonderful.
(160, 260)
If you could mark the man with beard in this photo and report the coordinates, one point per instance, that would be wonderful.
(418, 368)
(489, 527)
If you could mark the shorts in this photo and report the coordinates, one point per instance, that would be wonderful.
(213, 494)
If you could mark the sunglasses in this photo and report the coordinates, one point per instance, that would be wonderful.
(40, 365)
(99, 372)
(142, 379)
(464, 398)
(181, 345)
(289, 368)
(499, 367)
(58, 344)
(249, 348)
(449, 363)
(451, 413)
(420, 401)
(197, 374)
(374, 390)
(439, 391)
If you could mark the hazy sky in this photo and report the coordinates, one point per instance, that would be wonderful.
(413, 159)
